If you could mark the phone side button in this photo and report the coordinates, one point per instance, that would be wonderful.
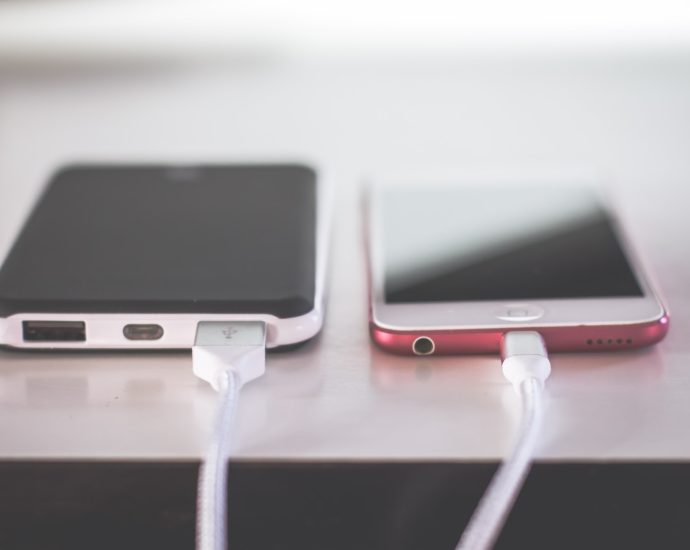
(519, 313)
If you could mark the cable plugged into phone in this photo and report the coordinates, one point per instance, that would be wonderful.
(227, 355)
(526, 365)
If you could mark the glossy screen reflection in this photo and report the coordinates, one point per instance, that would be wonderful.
(470, 244)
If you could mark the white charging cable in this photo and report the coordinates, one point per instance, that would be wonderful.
(526, 365)
(227, 355)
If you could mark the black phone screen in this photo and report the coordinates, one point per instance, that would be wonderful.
(161, 239)
(450, 244)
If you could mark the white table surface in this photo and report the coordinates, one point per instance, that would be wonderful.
(625, 118)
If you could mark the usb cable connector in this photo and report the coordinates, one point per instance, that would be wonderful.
(525, 358)
(227, 355)
(221, 348)
(526, 365)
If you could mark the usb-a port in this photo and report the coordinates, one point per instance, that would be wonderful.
(54, 331)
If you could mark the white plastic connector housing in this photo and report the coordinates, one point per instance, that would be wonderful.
(526, 365)
(220, 347)
(227, 355)
(524, 356)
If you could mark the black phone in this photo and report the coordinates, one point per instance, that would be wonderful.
(132, 256)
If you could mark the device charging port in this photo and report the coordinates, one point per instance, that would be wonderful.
(143, 332)
(54, 331)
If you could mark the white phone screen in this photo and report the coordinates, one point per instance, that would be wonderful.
(453, 244)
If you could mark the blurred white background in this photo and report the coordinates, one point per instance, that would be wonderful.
(52, 30)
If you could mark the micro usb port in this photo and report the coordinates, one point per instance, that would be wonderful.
(54, 331)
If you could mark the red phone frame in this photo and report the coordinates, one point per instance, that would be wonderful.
(565, 338)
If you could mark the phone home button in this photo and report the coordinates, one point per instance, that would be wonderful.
(519, 313)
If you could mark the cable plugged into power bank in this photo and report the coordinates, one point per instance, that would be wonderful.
(526, 365)
(227, 355)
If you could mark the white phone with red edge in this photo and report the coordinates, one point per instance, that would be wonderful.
(455, 266)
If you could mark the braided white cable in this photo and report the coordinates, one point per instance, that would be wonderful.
(526, 365)
(489, 517)
(211, 516)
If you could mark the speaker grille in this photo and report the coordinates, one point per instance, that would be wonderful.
(609, 342)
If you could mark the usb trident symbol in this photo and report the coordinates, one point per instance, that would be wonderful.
(229, 332)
